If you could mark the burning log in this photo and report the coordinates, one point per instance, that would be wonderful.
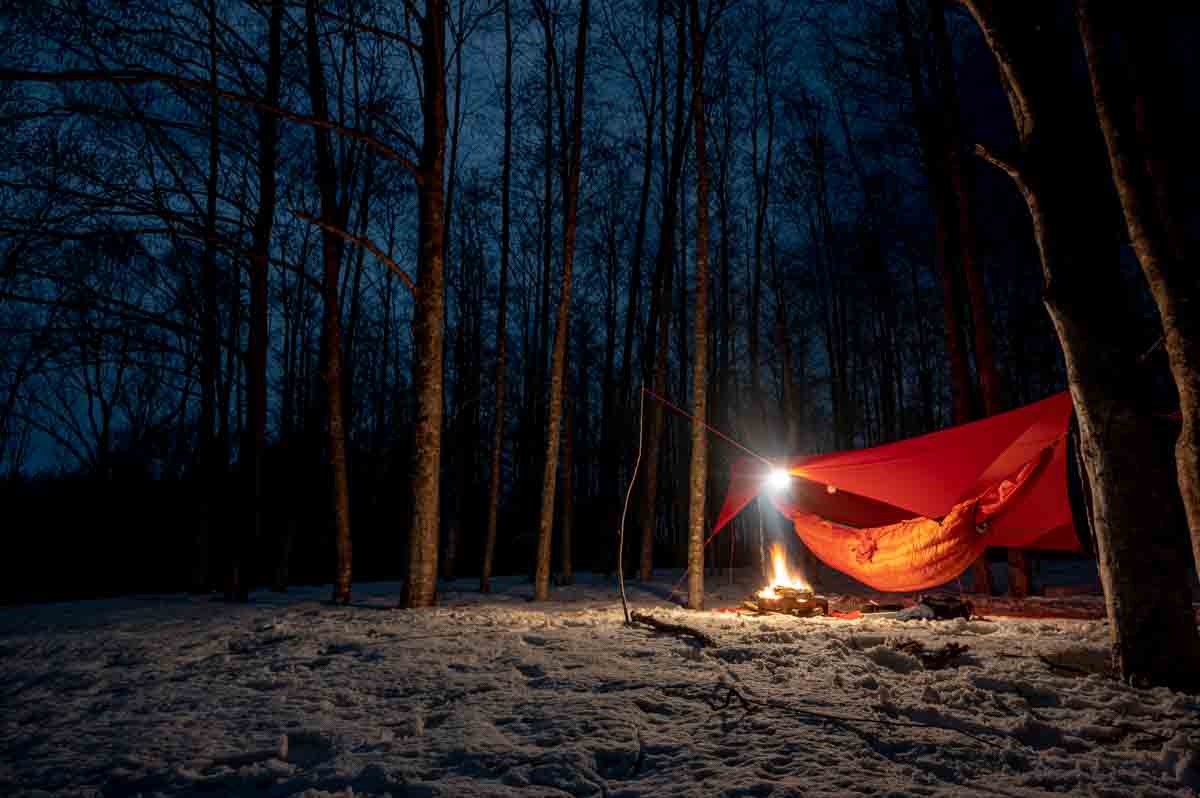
(789, 601)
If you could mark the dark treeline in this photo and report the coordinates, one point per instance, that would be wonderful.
(298, 291)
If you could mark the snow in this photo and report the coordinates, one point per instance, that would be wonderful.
(495, 695)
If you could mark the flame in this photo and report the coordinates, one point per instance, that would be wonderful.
(782, 577)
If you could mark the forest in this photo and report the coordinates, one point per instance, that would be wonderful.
(300, 292)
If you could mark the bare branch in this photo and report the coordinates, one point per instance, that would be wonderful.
(365, 28)
(1005, 165)
(136, 76)
(362, 242)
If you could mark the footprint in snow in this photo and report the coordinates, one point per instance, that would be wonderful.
(307, 748)
(532, 671)
(653, 707)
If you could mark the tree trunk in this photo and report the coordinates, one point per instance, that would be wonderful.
(935, 149)
(944, 221)
(331, 325)
(1174, 284)
(660, 309)
(639, 238)
(208, 447)
(985, 362)
(1142, 560)
(493, 508)
(958, 174)
(699, 466)
(566, 574)
(561, 327)
(420, 587)
(257, 347)
(762, 192)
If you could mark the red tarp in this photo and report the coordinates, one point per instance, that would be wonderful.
(908, 512)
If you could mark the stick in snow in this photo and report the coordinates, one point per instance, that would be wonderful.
(672, 628)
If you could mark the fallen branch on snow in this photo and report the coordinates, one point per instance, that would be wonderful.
(753, 704)
(642, 619)
(934, 660)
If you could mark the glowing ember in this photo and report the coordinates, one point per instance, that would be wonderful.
(781, 576)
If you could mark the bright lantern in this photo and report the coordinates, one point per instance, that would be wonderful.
(778, 480)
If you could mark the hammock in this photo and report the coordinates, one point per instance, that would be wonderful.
(916, 513)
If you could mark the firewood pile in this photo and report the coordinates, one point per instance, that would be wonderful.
(788, 601)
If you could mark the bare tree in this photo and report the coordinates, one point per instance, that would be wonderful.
(264, 220)
(420, 587)
(493, 499)
(658, 328)
(562, 323)
(1142, 565)
(1145, 192)
(333, 216)
(699, 466)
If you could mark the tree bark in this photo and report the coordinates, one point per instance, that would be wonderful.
(958, 173)
(331, 325)
(985, 361)
(1174, 284)
(420, 586)
(660, 303)
(562, 325)
(208, 448)
(493, 508)
(698, 473)
(1142, 560)
(257, 347)
(762, 197)
(566, 575)
(936, 148)
(944, 221)
(639, 238)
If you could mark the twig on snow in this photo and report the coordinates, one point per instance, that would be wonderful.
(641, 618)
(753, 704)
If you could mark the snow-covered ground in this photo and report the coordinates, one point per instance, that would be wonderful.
(172, 695)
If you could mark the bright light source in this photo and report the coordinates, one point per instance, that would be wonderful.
(778, 480)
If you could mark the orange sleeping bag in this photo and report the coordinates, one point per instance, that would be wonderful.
(915, 553)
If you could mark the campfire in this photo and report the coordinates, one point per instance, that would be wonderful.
(787, 593)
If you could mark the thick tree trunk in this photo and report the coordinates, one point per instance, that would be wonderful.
(1142, 560)
(562, 325)
(1174, 283)
(698, 473)
(331, 325)
(493, 508)
(420, 587)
